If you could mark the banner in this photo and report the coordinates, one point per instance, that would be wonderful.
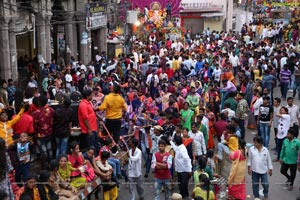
(96, 15)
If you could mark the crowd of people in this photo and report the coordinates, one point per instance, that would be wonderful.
(174, 108)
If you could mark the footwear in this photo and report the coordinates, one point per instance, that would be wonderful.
(119, 176)
(290, 188)
(146, 176)
(275, 160)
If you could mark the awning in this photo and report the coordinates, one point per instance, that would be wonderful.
(212, 14)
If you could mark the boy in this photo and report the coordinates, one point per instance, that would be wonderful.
(23, 147)
(110, 189)
(115, 163)
(152, 137)
(161, 163)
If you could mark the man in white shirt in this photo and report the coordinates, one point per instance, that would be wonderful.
(183, 166)
(259, 166)
(179, 46)
(234, 60)
(199, 141)
(230, 113)
(253, 28)
(294, 115)
(82, 66)
(135, 170)
(152, 75)
(98, 56)
(174, 45)
(69, 79)
(217, 73)
(283, 61)
(283, 127)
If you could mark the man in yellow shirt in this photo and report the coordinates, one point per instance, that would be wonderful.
(175, 64)
(114, 105)
(230, 143)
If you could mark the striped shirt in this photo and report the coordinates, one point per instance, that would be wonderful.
(285, 76)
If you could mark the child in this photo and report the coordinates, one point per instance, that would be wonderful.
(45, 190)
(110, 190)
(89, 156)
(63, 189)
(65, 169)
(23, 147)
(204, 189)
(210, 160)
(115, 163)
(29, 188)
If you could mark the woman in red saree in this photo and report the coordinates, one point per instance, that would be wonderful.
(78, 162)
(237, 177)
(211, 131)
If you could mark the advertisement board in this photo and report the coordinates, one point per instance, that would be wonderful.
(96, 15)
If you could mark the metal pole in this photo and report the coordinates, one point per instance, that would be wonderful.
(33, 24)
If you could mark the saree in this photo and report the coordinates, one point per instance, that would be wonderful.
(211, 131)
(251, 120)
(237, 178)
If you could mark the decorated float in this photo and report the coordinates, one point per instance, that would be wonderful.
(157, 19)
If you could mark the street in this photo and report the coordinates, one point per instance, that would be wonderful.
(276, 181)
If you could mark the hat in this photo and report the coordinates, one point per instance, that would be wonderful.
(158, 127)
(176, 196)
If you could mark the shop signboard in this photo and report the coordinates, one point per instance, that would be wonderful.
(96, 15)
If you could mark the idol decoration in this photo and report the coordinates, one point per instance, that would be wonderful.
(156, 15)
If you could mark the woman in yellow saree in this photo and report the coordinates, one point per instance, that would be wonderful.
(237, 176)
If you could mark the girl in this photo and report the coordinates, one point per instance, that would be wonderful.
(63, 189)
(77, 161)
(46, 192)
(30, 189)
(65, 169)
(204, 189)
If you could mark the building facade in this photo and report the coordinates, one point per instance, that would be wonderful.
(198, 15)
(39, 30)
